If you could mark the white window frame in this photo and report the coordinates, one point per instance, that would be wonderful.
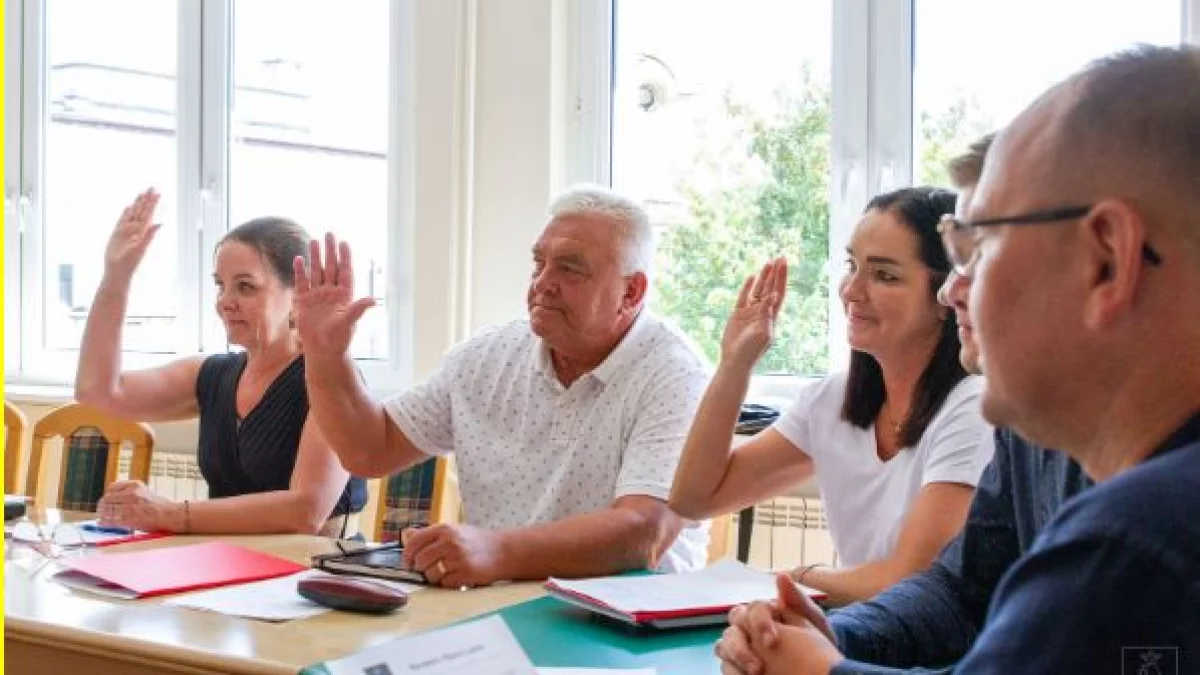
(14, 198)
(202, 138)
(1191, 21)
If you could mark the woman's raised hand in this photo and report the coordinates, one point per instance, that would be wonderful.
(751, 325)
(132, 235)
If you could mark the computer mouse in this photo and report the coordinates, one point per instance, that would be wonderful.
(352, 595)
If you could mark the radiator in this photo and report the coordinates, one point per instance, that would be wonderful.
(790, 532)
(174, 475)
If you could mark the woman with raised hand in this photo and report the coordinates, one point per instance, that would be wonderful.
(268, 469)
(894, 442)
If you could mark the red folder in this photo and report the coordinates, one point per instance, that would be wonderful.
(142, 574)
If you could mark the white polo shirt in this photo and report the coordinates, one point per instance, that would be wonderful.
(865, 498)
(530, 451)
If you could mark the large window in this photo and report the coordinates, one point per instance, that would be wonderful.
(109, 134)
(310, 128)
(721, 127)
(232, 109)
(970, 82)
(761, 128)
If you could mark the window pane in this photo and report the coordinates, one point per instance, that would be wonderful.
(109, 134)
(309, 127)
(968, 81)
(721, 127)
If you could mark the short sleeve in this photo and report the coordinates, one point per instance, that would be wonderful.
(960, 442)
(797, 424)
(424, 413)
(665, 412)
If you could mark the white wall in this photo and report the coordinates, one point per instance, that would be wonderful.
(484, 174)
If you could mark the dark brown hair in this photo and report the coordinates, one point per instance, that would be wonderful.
(920, 209)
(278, 241)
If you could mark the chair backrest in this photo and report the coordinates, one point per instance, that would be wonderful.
(720, 534)
(414, 496)
(91, 449)
(15, 425)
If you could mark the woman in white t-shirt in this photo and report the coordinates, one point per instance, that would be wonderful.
(894, 442)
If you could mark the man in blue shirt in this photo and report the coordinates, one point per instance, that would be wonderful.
(1085, 233)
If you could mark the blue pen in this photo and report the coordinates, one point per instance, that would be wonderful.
(106, 529)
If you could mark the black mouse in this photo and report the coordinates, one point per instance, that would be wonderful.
(352, 595)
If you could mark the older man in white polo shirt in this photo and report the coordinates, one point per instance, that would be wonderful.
(566, 426)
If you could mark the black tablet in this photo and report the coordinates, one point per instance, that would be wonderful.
(383, 562)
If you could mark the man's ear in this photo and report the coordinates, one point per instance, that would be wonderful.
(1114, 236)
(636, 285)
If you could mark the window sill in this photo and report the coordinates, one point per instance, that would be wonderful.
(38, 393)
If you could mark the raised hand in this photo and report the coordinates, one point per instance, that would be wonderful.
(751, 325)
(132, 235)
(326, 310)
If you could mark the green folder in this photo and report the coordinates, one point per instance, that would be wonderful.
(554, 633)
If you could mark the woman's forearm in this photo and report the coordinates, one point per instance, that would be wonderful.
(98, 374)
(276, 512)
(853, 584)
(706, 452)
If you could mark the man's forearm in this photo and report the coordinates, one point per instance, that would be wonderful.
(922, 620)
(350, 419)
(593, 544)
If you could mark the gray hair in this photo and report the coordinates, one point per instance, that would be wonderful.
(634, 231)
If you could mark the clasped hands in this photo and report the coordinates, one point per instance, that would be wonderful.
(787, 635)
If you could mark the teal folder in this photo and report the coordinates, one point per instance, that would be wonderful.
(554, 633)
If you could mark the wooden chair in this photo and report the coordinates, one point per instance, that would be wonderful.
(15, 425)
(720, 537)
(91, 449)
(415, 496)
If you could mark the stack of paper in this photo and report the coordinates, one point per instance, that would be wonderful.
(671, 600)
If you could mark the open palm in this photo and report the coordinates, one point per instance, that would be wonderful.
(751, 326)
(326, 310)
(131, 236)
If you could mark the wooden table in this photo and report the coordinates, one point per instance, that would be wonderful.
(51, 629)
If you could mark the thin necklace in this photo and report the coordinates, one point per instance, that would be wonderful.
(896, 426)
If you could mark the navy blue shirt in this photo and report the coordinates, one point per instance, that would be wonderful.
(258, 453)
(1112, 585)
(933, 618)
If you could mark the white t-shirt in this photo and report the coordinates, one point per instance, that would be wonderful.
(866, 499)
(531, 451)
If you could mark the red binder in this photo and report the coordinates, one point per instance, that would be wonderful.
(162, 571)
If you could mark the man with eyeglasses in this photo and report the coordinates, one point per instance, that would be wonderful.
(1087, 333)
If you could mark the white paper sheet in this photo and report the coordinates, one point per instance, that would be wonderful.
(728, 582)
(483, 647)
(270, 600)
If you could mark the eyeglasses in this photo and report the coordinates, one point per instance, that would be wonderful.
(60, 540)
(961, 237)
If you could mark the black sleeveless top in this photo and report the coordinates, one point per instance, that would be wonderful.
(258, 453)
